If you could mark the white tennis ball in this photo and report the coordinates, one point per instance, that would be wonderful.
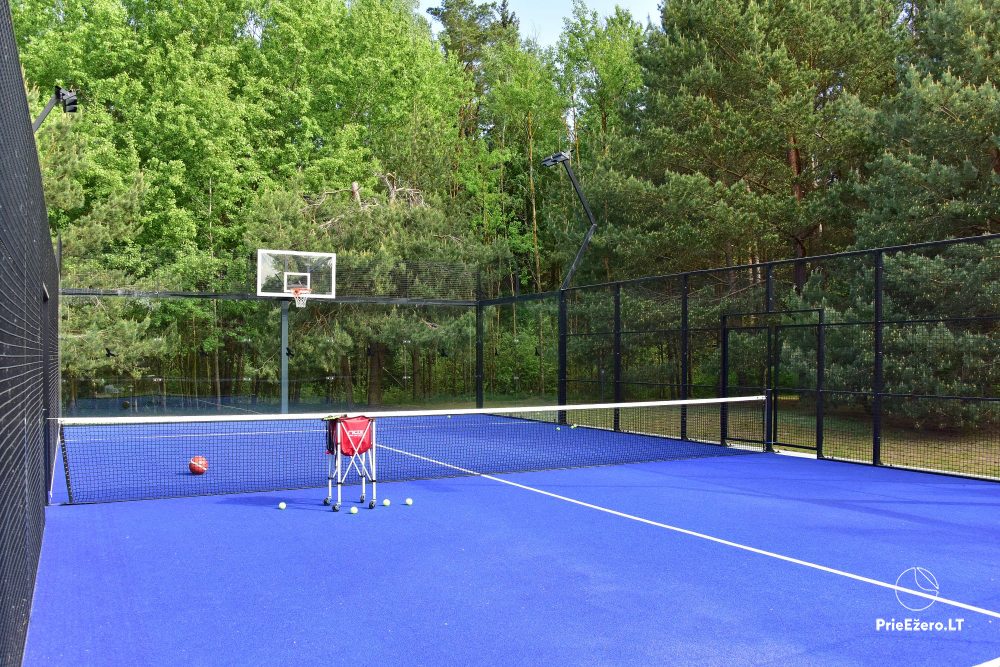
(282, 505)
(409, 501)
(386, 503)
(354, 510)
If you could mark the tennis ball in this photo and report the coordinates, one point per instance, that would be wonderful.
(198, 465)
(386, 503)
(354, 510)
(573, 426)
(282, 505)
(558, 428)
(409, 501)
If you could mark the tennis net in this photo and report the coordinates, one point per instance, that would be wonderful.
(133, 458)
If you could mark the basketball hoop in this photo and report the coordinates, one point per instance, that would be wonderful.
(301, 295)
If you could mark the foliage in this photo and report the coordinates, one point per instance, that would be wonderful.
(728, 132)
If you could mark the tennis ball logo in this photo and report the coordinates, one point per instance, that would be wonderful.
(917, 579)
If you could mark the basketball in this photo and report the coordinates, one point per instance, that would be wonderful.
(198, 465)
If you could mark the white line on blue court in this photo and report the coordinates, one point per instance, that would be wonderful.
(703, 536)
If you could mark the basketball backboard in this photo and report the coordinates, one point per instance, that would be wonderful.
(281, 271)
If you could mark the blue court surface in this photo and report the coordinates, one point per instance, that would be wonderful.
(759, 559)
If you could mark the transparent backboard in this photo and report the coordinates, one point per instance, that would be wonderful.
(281, 271)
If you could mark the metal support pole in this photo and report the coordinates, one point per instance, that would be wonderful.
(820, 380)
(590, 231)
(44, 338)
(563, 340)
(45, 112)
(724, 382)
(775, 389)
(284, 357)
(685, 353)
(773, 352)
(878, 378)
(769, 288)
(480, 315)
(617, 344)
(768, 433)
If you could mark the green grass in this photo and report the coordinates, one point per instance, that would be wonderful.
(849, 436)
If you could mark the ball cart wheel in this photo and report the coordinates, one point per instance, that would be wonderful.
(371, 505)
(336, 508)
(327, 501)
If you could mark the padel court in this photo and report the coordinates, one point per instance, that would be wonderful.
(682, 552)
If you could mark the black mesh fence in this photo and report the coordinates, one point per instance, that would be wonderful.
(189, 356)
(29, 373)
(870, 356)
(884, 356)
(519, 360)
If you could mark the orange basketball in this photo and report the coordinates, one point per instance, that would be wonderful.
(198, 465)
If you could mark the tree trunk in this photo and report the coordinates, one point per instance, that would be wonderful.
(215, 355)
(795, 164)
(376, 361)
(534, 212)
(346, 380)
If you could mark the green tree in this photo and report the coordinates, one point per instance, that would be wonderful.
(749, 96)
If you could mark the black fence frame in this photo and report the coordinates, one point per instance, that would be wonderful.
(878, 393)
(29, 347)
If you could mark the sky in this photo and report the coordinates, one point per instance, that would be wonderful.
(543, 19)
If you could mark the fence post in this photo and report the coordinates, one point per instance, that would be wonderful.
(820, 379)
(479, 352)
(685, 353)
(768, 434)
(773, 353)
(878, 376)
(618, 353)
(284, 356)
(562, 370)
(724, 381)
(769, 288)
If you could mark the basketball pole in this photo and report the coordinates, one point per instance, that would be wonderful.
(284, 357)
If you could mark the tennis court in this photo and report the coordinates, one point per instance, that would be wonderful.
(561, 536)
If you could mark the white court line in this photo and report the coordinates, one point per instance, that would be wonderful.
(710, 538)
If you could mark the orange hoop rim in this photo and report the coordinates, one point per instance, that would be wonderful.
(301, 295)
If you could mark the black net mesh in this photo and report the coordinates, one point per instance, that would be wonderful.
(159, 457)
(29, 387)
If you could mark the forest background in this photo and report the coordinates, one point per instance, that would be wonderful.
(728, 132)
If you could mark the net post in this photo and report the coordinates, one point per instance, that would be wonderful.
(724, 380)
(820, 379)
(284, 357)
(685, 352)
(878, 372)
(563, 333)
(768, 432)
(618, 353)
(44, 339)
(65, 459)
